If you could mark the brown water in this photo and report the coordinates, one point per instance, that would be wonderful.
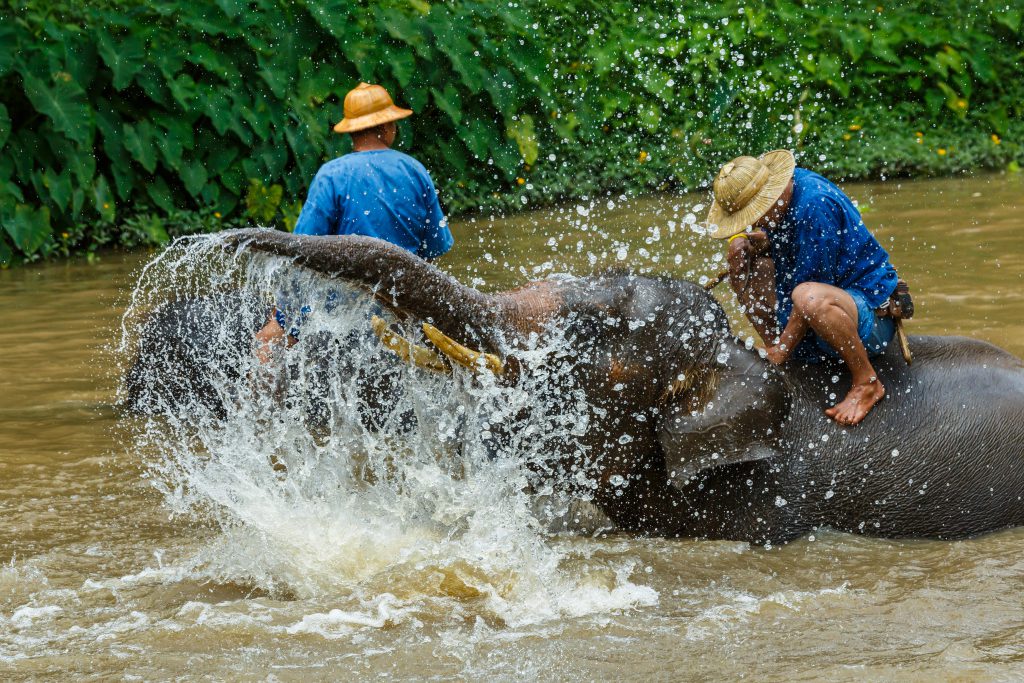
(98, 578)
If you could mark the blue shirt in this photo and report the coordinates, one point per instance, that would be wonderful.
(378, 193)
(822, 238)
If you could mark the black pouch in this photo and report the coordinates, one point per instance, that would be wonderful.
(901, 304)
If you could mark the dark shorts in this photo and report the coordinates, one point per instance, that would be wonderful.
(875, 332)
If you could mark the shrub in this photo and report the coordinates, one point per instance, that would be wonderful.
(111, 109)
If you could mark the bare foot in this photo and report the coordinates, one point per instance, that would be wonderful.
(858, 403)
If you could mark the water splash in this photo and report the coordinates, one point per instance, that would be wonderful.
(335, 471)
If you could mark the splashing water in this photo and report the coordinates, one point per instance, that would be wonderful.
(335, 471)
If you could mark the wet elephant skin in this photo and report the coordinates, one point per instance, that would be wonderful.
(721, 444)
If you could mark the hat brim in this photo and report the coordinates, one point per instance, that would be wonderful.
(392, 113)
(722, 224)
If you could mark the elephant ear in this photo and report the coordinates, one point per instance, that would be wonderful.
(729, 415)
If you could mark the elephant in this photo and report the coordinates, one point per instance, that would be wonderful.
(188, 351)
(694, 434)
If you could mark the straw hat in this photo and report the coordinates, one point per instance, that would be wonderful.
(367, 106)
(745, 190)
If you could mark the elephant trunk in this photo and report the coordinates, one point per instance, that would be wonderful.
(400, 280)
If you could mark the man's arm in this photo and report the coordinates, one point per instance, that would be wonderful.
(437, 238)
(269, 336)
(319, 210)
(752, 278)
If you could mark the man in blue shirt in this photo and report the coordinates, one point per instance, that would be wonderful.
(811, 278)
(374, 191)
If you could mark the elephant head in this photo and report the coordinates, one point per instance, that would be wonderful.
(673, 393)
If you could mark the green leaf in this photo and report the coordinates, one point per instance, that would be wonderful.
(650, 117)
(77, 202)
(523, 133)
(565, 125)
(113, 144)
(29, 228)
(855, 42)
(1010, 18)
(59, 187)
(9, 33)
(290, 215)
(194, 176)
(160, 194)
(420, 6)
(449, 102)
(261, 202)
(152, 83)
(138, 140)
(64, 103)
(478, 136)
(153, 228)
(81, 162)
(171, 145)
(125, 59)
(232, 8)
(183, 90)
(460, 52)
(5, 126)
(80, 59)
(6, 254)
(402, 63)
(103, 200)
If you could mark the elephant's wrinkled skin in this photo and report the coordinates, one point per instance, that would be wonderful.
(722, 444)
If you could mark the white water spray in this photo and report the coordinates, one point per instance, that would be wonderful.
(335, 471)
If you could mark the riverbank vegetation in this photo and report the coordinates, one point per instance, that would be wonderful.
(126, 123)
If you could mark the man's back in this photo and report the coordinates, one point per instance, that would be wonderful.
(378, 193)
(823, 239)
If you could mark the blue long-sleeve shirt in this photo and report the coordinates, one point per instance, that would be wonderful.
(822, 238)
(378, 193)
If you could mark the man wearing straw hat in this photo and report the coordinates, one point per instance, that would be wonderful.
(374, 191)
(810, 277)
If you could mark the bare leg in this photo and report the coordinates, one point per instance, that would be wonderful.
(832, 314)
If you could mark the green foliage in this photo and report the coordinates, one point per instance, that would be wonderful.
(262, 202)
(129, 117)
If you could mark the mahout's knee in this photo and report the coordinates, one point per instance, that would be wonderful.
(811, 300)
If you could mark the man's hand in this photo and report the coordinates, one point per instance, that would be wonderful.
(741, 251)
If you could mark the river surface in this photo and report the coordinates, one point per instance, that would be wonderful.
(107, 571)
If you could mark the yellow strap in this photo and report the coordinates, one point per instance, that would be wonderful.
(742, 234)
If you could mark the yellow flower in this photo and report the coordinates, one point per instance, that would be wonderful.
(846, 136)
(520, 181)
(855, 126)
(106, 205)
(995, 139)
(642, 157)
(64, 235)
(919, 134)
(216, 214)
(961, 104)
(941, 152)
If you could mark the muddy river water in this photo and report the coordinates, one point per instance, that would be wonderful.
(107, 571)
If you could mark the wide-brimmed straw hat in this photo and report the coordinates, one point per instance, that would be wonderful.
(745, 190)
(366, 106)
